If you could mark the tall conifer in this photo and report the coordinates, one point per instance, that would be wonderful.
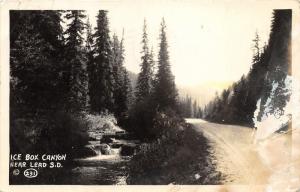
(75, 62)
(144, 81)
(102, 86)
(165, 93)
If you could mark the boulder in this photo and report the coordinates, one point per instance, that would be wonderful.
(105, 149)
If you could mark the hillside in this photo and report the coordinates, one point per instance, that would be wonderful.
(266, 79)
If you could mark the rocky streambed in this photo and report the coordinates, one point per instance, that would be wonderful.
(109, 165)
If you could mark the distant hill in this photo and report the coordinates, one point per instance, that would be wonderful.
(204, 92)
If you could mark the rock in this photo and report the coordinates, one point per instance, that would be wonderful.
(127, 150)
(197, 176)
(105, 149)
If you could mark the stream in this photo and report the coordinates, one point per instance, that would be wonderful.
(110, 169)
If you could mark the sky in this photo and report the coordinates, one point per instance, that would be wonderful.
(209, 42)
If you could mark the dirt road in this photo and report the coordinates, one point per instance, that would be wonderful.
(235, 153)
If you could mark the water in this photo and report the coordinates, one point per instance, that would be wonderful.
(100, 170)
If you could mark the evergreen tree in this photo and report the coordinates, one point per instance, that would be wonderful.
(122, 83)
(117, 63)
(34, 60)
(126, 84)
(199, 113)
(188, 106)
(275, 94)
(130, 93)
(256, 48)
(127, 99)
(238, 103)
(75, 62)
(144, 81)
(165, 93)
(152, 69)
(195, 109)
(102, 86)
(90, 59)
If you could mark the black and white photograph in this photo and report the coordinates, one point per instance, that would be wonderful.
(154, 93)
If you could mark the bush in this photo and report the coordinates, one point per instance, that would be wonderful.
(141, 120)
(101, 122)
(58, 132)
(24, 133)
(64, 133)
(175, 157)
(168, 122)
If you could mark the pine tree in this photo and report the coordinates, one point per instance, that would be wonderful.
(90, 59)
(275, 94)
(199, 113)
(195, 109)
(127, 94)
(122, 83)
(34, 60)
(117, 63)
(130, 92)
(188, 106)
(256, 48)
(144, 81)
(152, 69)
(165, 93)
(75, 61)
(102, 86)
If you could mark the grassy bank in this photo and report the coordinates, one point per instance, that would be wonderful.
(179, 156)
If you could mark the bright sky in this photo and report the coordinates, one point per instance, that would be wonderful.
(208, 42)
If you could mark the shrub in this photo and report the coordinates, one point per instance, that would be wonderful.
(172, 157)
(64, 133)
(141, 120)
(58, 132)
(101, 121)
(24, 133)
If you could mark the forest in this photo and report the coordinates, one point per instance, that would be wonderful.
(63, 72)
(237, 104)
(75, 70)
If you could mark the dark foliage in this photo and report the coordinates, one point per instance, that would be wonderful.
(122, 87)
(144, 87)
(164, 92)
(238, 103)
(154, 94)
(35, 47)
(55, 133)
(189, 108)
(102, 80)
(75, 69)
(52, 70)
(174, 157)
